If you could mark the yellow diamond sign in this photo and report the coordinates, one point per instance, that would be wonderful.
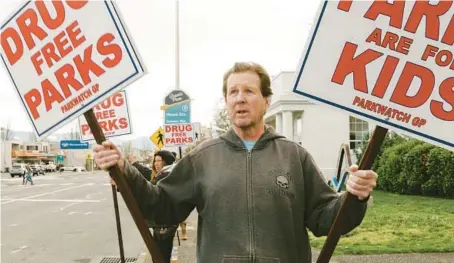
(158, 138)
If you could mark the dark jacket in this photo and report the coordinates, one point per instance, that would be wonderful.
(253, 206)
(145, 171)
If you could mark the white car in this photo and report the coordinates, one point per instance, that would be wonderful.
(17, 169)
(72, 168)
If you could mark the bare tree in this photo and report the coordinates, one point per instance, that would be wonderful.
(221, 118)
(6, 132)
(33, 137)
(127, 148)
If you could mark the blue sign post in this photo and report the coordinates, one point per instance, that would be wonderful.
(73, 144)
(178, 114)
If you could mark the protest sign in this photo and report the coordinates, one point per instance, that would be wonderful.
(178, 135)
(389, 63)
(64, 57)
(112, 115)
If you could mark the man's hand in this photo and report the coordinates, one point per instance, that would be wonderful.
(107, 155)
(361, 182)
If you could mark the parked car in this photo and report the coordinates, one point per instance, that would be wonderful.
(51, 167)
(72, 168)
(17, 170)
(37, 169)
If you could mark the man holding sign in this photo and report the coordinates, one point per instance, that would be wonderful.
(255, 191)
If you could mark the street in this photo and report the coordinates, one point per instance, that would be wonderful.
(64, 218)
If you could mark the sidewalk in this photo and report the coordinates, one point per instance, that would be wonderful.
(187, 250)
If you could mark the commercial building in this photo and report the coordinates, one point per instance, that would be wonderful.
(318, 128)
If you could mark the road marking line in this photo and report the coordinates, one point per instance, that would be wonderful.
(57, 191)
(19, 249)
(67, 184)
(53, 200)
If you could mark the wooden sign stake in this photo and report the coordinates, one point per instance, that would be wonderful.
(372, 150)
(125, 191)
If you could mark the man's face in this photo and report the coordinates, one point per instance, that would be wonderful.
(158, 163)
(244, 100)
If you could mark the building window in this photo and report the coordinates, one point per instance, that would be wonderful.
(358, 132)
(32, 148)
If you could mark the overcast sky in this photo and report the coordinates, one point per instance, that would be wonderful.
(213, 35)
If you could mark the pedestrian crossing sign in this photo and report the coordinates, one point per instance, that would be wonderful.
(158, 138)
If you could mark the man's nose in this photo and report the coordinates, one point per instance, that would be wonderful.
(241, 97)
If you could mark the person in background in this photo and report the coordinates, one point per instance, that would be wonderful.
(163, 234)
(28, 175)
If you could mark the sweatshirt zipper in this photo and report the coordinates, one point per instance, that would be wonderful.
(250, 208)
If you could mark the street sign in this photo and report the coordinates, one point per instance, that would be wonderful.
(175, 96)
(112, 115)
(386, 65)
(158, 138)
(63, 64)
(197, 131)
(180, 113)
(177, 108)
(73, 144)
(60, 158)
(178, 135)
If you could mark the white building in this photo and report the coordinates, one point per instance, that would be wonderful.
(318, 128)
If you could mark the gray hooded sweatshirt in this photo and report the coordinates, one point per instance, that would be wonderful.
(253, 206)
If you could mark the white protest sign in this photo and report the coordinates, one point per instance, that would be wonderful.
(178, 135)
(64, 57)
(112, 115)
(389, 63)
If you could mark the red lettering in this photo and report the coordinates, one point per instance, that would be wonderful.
(113, 124)
(385, 76)
(348, 64)
(448, 37)
(76, 4)
(51, 23)
(49, 54)
(394, 11)
(105, 47)
(103, 125)
(123, 123)
(446, 93)
(66, 77)
(431, 13)
(50, 94)
(61, 43)
(13, 56)
(87, 65)
(30, 28)
(33, 100)
(345, 5)
(117, 99)
(409, 72)
(85, 129)
(73, 32)
(37, 62)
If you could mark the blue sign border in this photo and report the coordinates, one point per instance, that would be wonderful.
(91, 103)
(346, 108)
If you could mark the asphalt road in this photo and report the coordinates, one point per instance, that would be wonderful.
(64, 218)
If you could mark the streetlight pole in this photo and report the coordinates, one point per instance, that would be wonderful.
(177, 44)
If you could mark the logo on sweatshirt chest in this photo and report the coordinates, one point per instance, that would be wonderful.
(282, 182)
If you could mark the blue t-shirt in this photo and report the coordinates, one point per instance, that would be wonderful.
(249, 145)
